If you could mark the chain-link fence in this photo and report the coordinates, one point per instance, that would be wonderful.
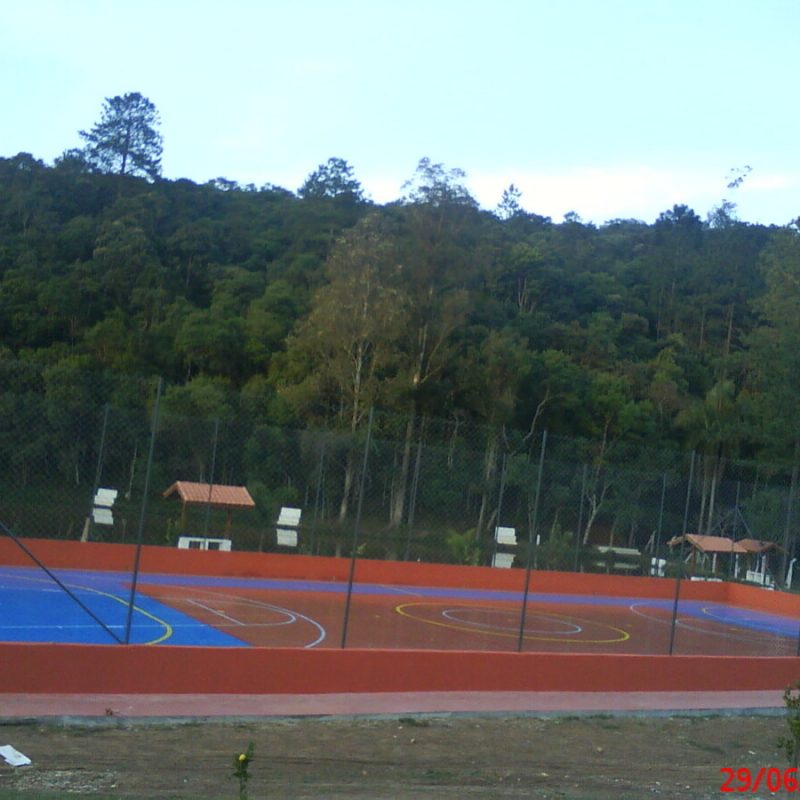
(422, 490)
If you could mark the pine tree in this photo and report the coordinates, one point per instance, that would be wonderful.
(126, 140)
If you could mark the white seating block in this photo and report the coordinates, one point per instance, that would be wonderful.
(503, 560)
(201, 543)
(507, 536)
(289, 517)
(288, 520)
(105, 497)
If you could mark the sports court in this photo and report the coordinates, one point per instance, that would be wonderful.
(235, 611)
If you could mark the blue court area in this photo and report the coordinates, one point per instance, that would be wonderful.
(95, 610)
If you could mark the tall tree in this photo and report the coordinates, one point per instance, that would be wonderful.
(126, 140)
(440, 218)
(333, 179)
(350, 335)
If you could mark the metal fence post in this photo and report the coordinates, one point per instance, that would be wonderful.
(211, 477)
(688, 495)
(661, 515)
(317, 499)
(531, 540)
(501, 492)
(412, 502)
(143, 513)
(579, 530)
(87, 526)
(355, 532)
(788, 539)
(680, 561)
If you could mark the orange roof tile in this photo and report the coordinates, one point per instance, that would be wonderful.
(709, 544)
(757, 545)
(218, 495)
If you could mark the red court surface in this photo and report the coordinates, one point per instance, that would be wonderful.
(298, 618)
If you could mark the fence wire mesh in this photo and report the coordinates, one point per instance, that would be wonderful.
(415, 489)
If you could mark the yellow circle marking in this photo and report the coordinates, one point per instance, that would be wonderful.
(623, 635)
(168, 629)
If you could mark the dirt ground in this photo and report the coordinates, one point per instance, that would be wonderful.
(394, 758)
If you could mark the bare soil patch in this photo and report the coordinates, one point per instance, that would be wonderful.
(396, 759)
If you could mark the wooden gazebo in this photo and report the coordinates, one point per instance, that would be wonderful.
(215, 495)
(759, 551)
(705, 546)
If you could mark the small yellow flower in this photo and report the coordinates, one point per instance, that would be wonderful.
(243, 757)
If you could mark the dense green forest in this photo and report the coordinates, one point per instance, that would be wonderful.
(305, 309)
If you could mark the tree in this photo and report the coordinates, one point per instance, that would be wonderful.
(333, 179)
(715, 426)
(126, 140)
(350, 335)
(435, 186)
(509, 206)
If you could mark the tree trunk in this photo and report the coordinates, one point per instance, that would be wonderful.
(489, 471)
(595, 503)
(718, 465)
(347, 487)
(703, 496)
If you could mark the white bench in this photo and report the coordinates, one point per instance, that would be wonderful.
(101, 506)
(203, 543)
(288, 523)
(503, 560)
(506, 537)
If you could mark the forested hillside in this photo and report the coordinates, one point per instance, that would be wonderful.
(306, 309)
(323, 304)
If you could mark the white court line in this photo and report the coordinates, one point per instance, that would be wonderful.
(215, 611)
(296, 614)
(400, 590)
(75, 626)
(753, 636)
(293, 615)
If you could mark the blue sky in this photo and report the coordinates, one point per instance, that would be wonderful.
(613, 108)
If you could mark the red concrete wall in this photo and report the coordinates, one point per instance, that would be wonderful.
(120, 557)
(755, 597)
(87, 669)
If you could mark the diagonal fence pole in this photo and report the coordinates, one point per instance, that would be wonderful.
(143, 513)
(355, 532)
(64, 588)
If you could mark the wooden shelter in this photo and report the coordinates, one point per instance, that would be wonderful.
(228, 498)
(759, 552)
(704, 546)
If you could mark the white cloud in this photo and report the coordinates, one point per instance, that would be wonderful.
(770, 182)
(601, 194)
(596, 194)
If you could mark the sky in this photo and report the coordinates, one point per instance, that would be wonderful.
(613, 109)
